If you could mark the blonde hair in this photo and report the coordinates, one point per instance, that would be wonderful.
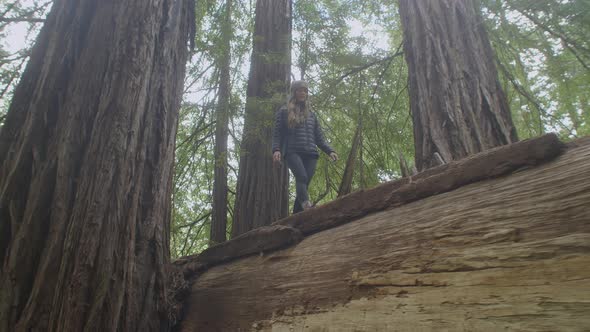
(297, 113)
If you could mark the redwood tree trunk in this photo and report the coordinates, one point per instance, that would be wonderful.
(457, 103)
(219, 215)
(86, 158)
(262, 195)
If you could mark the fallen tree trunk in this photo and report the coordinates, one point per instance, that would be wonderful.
(288, 231)
(507, 253)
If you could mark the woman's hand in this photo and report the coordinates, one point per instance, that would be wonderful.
(333, 156)
(276, 157)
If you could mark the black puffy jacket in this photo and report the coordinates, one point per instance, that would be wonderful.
(305, 138)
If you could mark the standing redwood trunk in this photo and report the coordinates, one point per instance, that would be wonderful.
(262, 195)
(219, 215)
(457, 103)
(86, 158)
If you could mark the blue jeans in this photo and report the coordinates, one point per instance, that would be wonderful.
(303, 167)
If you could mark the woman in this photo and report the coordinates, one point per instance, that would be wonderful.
(297, 134)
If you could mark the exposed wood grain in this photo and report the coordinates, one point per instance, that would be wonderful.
(510, 253)
(256, 241)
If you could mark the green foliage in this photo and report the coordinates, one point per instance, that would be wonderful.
(193, 179)
(355, 78)
(543, 50)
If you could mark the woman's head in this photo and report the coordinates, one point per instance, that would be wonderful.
(299, 90)
(298, 104)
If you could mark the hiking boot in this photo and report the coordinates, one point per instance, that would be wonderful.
(306, 205)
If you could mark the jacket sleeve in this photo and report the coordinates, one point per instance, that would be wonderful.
(320, 139)
(277, 134)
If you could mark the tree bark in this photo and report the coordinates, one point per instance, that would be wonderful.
(219, 215)
(86, 158)
(510, 253)
(458, 106)
(262, 195)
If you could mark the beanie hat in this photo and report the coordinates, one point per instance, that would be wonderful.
(298, 84)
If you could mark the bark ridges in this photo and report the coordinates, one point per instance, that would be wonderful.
(85, 170)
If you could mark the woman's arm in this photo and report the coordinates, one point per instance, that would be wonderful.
(320, 140)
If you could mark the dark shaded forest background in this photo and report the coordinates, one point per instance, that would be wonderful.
(351, 53)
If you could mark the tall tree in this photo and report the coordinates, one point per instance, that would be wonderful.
(457, 103)
(219, 215)
(86, 158)
(262, 195)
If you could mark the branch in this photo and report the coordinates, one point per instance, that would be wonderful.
(9, 8)
(19, 19)
(521, 90)
(371, 64)
(193, 223)
(569, 44)
(24, 17)
(19, 56)
(361, 68)
(15, 74)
